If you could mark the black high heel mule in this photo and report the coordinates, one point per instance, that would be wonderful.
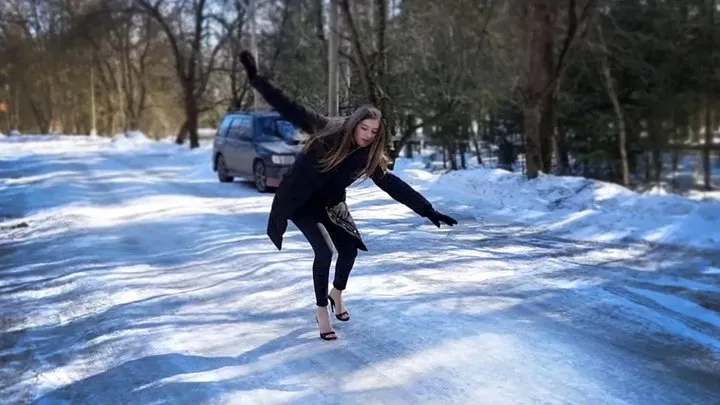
(344, 316)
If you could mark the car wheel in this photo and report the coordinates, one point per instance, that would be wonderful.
(260, 176)
(222, 171)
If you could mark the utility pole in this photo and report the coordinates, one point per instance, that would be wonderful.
(333, 58)
(254, 47)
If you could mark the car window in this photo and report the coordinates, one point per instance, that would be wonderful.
(273, 129)
(224, 126)
(240, 128)
(286, 129)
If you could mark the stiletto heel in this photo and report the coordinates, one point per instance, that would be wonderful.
(344, 316)
(326, 335)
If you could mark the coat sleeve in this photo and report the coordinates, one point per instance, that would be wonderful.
(298, 114)
(402, 192)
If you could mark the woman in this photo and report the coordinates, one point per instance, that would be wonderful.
(312, 193)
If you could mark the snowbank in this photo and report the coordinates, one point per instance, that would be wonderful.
(16, 137)
(141, 145)
(131, 139)
(577, 207)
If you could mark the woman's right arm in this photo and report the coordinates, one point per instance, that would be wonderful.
(292, 110)
(298, 114)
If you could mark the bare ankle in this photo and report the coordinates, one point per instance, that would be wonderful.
(323, 318)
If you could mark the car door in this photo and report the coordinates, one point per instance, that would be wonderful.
(233, 146)
(220, 139)
(245, 149)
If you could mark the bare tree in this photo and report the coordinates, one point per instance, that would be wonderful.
(543, 70)
(610, 86)
(707, 169)
(370, 61)
(193, 64)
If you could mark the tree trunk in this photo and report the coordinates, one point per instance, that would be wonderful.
(695, 125)
(121, 105)
(547, 132)
(538, 17)
(708, 143)
(478, 153)
(620, 117)
(409, 125)
(191, 114)
(676, 135)
(126, 79)
(708, 100)
(562, 151)
(182, 133)
(549, 13)
(444, 153)
(42, 122)
(379, 84)
(675, 154)
(531, 124)
(409, 152)
(655, 139)
(452, 154)
(548, 113)
(609, 83)
(543, 71)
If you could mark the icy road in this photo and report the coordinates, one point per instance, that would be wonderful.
(129, 275)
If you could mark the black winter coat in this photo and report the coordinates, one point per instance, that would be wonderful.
(305, 190)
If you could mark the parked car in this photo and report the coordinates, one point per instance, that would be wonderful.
(255, 146)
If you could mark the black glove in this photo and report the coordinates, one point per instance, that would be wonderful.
(249, 63)
(436, 218)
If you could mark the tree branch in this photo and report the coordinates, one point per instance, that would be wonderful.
(205, 77)
(154, 12)
(357, 45)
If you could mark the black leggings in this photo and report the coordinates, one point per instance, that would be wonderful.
(322, 235)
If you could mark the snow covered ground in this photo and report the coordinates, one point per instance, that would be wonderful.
(579, 208)
(129, 275)
(688, 177)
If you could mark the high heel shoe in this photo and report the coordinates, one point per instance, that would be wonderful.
(326, 335)
(344, 316)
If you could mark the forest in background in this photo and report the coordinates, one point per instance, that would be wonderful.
(604, 89)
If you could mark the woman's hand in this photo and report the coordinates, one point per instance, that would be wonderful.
(436, 218)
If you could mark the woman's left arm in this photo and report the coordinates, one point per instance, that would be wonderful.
(401, 192)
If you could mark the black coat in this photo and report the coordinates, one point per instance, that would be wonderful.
(305, 190)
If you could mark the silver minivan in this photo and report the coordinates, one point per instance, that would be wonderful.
(255, 146)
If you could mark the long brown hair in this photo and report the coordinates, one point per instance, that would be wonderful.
(339, 138)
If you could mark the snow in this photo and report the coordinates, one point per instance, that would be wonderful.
(576, 207)
(139, 278)
(683, 306)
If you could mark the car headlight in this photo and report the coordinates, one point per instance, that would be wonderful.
(283, 159)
